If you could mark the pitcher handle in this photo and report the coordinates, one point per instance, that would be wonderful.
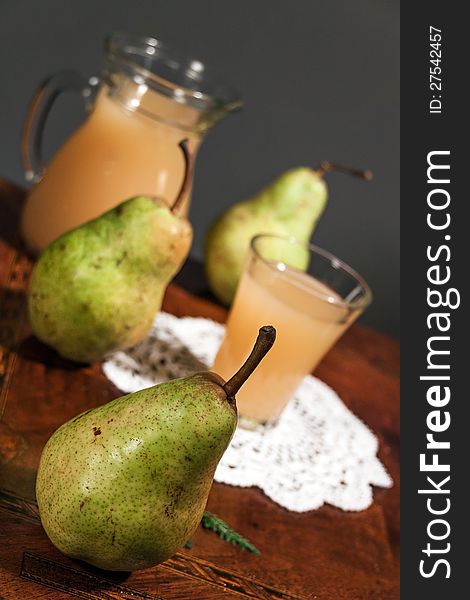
(38, 111)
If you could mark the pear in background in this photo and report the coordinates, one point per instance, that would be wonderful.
(97, 288)
(290, 206)
(123, 486)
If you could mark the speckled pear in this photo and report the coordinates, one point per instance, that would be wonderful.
(97, 288)
(124, 485)
(290, 206)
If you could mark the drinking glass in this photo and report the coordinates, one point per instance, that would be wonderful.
(310, 310)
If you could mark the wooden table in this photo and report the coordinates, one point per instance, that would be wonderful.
(324, 554)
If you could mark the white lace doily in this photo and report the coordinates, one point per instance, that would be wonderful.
(319, 451)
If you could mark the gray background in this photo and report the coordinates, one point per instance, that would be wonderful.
(319, 79)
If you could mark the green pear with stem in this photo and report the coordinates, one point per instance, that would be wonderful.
(124, 486)
(289, 206)
(97, 288)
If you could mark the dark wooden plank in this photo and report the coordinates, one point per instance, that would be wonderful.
(173, 579)
(322, 554)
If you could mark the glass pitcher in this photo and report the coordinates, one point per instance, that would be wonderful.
(147, 101)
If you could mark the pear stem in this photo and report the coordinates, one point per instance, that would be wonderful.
(326, 166)
(263, 344)
(188, 174)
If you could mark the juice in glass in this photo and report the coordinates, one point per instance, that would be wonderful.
(309, 312)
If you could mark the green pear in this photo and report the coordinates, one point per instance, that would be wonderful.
(124, 485)
(289, 206)
(97, 288)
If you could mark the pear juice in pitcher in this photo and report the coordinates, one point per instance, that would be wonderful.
(148, 101)
(116, 154)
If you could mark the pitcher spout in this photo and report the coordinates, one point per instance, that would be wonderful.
(140, 69)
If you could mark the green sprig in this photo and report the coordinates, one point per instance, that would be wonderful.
(226, 533)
